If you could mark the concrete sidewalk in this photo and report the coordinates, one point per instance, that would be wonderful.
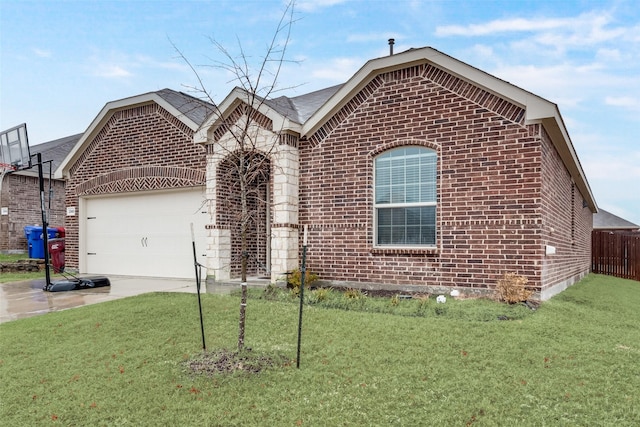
(26, 299)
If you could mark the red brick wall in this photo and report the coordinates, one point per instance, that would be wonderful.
(138, 149)
(21, 194)
(567, 224)
(489, 216)
(229, 214)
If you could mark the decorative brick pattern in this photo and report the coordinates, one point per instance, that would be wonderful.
(345, 111)
(140, 179)
(289, 139)
(138, 149)
(242, 110)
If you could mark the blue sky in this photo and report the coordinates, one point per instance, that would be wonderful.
(62, 61)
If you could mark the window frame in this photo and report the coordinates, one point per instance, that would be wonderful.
(390, 205)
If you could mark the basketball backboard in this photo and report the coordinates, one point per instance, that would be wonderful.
(14, 148)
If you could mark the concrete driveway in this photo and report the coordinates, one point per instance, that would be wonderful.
(26, 299)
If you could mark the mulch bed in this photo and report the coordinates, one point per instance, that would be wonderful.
(224, 361)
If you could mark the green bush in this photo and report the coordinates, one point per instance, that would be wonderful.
(355, 294)
(320, 295)
(294, 279)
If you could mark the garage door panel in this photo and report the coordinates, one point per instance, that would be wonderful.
(145, 234)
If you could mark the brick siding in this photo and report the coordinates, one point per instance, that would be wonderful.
(493, 173)
(138, 149)
(21, 195)
(229, 216)
(567, 223)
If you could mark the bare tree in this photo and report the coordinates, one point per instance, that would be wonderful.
(245, 171)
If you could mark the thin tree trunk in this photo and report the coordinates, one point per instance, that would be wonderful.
(243, 248)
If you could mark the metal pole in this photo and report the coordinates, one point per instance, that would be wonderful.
(196, 264)
(45, 224)
(303, 273)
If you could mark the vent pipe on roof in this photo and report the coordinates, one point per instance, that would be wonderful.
(391, 42)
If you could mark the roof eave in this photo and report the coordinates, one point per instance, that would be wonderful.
(236, 97)
(105, 114)
(537, 109)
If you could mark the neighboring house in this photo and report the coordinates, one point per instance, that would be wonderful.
(420, 172)
(135, 186)
(606, 221)
(20, 196)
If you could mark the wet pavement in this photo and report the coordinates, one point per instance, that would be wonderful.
(26, 299)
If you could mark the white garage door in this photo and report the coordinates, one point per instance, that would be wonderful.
(144, 234)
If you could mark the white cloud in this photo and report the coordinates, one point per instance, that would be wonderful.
(482, 51)
(42, 53)
(556, 83)
(313, 5)
(623, 101)
(609, 55)
(110, 71)
(587, 29)
(338, 70)
(500, 26)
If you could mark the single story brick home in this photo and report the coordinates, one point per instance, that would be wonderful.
(420, 172)
(20, 196)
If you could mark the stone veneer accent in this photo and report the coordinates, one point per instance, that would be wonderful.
(281, 150)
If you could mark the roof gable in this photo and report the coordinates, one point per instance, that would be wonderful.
(187, 109)
(536, 108)
(306, 114)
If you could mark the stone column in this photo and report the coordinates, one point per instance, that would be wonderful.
(219, 237)
(284, 229)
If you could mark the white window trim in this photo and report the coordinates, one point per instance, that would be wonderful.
(377, 206)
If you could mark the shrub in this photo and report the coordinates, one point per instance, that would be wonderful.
(294, 279)
(511, 288)
(321, 294)
(395, 300)
(355, 294)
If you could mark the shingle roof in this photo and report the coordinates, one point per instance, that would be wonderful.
(54, 151)
(604, 220)
(300, 108)
(193, 108)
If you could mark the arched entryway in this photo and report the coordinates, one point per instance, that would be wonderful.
(243, 207)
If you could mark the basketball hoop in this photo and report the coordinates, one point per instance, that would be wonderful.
(6, 168)
(14, 149)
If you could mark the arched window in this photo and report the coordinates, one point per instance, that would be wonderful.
(405, 197)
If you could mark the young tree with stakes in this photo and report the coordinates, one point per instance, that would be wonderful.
(247, 164)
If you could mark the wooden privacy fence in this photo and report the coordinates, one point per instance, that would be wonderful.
(616, 254)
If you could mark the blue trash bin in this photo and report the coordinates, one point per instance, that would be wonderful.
(28, 229)
(36, 244)
(35, 240)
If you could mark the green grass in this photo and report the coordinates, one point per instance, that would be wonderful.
(17, 277)
(575, 362)
(12, 257)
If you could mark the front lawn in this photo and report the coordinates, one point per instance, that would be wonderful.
(574, 361)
